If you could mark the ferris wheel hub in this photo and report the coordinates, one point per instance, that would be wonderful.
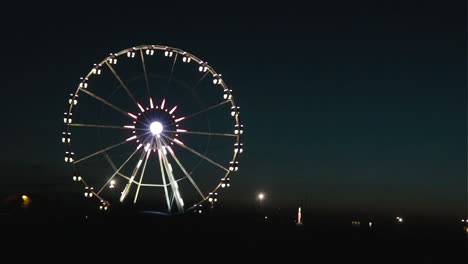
(156, 128)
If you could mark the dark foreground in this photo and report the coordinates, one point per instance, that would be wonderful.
(210, 238)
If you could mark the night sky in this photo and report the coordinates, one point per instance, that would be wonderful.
(349, 106)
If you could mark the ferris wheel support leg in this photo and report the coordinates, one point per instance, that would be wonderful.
(170, 176)
(132, 177)
(142, 174)
(172, 200)
(174, 185)
(185, 172)
(169, 205)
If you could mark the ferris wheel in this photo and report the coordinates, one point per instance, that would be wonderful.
(154, 124)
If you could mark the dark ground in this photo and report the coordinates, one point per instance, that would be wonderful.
(228, 237)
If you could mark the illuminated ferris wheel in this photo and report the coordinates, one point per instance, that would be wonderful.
(153, 124)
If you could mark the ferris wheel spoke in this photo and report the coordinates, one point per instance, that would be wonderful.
(183, 170)
(105, 102)
(199, 81)
(143, 172)
(207, 109)
(182, 131)
(192, 89)
(122, 83)
(101, 151)
(117, 171)
(106, 126)
(144, 71)
(109, 160)
(172, 68)
(200, 112)
(112, 164)
(179, 143)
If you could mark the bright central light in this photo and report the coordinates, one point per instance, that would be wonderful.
(261, 196)
(156, 128)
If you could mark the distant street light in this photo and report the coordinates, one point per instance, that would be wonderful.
(26, 201)
(261, 196)
(399, 219)
(259, 203)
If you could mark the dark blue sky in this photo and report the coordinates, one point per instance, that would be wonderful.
(352, 106)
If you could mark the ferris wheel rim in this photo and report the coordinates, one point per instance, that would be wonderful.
(141, 49)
